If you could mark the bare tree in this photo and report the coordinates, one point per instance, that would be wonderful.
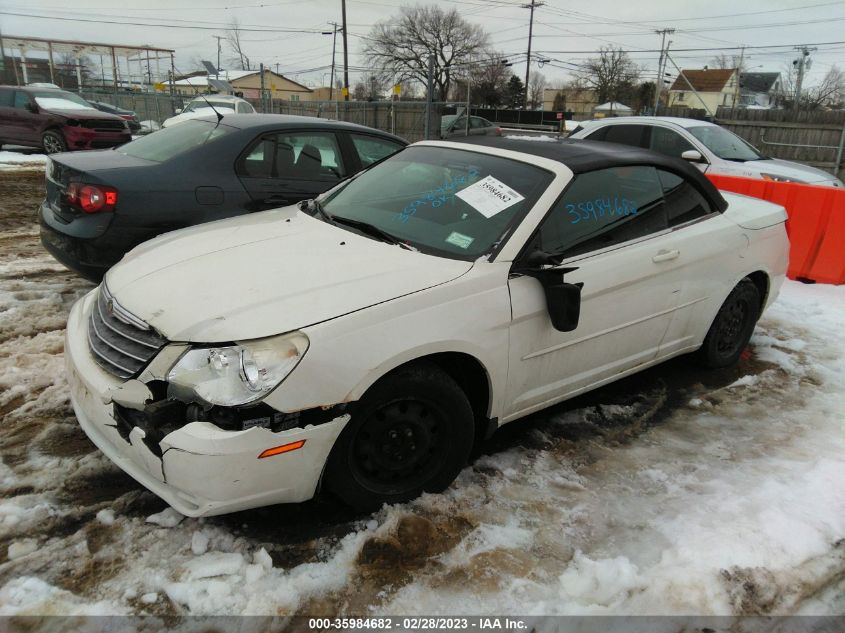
(66, 66)
(725, 62)
(829, 92)
(370, 87)
(402, 45)
(489, 79)
(536, 86)
(233, 38)
(612, 74)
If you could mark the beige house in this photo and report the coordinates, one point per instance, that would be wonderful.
(248, 82)
(715, 87)
(579, 101)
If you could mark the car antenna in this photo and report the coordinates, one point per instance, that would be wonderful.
(219, 116)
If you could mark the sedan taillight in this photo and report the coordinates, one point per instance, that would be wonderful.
(91, 198)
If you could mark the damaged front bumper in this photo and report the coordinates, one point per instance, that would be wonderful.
(198, 468)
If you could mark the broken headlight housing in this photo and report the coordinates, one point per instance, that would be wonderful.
(237, 374)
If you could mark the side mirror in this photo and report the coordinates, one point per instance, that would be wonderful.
(693, 156)
(563, 300)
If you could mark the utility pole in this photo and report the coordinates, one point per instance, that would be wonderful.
(334, 48)
(801, 62)
(218, 38)
(345, 55)
(661, 65)
(738, 79)
(533, 5)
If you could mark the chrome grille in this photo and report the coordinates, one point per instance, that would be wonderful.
(121, 343)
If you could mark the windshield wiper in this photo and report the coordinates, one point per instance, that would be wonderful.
(315, 205)
(372, 230)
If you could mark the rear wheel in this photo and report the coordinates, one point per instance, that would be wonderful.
(53, 142)
(411, 433)
(732, 328)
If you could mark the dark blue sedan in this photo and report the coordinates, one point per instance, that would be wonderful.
(101, 204)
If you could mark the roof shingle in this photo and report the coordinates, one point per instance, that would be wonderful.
(704, 80)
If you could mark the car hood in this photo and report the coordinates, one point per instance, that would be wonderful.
(82, 113)
(788, 169)
(264, 274)
(198, 114)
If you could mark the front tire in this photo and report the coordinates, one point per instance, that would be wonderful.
(411, 433)
(732, 328)
(53, 142)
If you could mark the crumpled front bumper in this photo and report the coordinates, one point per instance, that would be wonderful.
(203, 470)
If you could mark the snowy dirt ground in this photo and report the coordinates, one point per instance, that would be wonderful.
(673, 492)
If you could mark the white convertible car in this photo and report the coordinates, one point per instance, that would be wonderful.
(363, 342)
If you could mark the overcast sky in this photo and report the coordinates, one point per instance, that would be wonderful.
(564, 31)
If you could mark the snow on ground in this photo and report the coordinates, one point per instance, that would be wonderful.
(677, 491)
(22, 158)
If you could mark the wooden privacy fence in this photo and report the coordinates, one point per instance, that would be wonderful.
(405, 119)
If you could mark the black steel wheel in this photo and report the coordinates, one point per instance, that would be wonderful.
(411, 433)
(732, 328)
(53, 142)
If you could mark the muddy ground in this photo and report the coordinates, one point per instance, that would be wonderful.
(54, 482)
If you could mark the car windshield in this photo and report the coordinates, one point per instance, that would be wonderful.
(200, 104)
(171, 141)
(724, 144)
(443, 201)
(60, 100)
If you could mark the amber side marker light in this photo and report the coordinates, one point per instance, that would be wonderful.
(284, 448)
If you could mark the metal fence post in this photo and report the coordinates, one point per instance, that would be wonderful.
(428, 95)
(838, 165)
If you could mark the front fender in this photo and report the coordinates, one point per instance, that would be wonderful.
(347, 355)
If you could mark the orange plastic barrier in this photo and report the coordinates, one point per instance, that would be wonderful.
(816, 224)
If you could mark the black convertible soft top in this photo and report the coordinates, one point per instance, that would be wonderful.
(582, 156)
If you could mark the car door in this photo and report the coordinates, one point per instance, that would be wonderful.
(477, 126)
(610, 227)
(673, 143)
(707, 242)
(7, 101)
(285, 167)
(26, 122)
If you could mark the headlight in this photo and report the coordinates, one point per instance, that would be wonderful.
(778, 178)
(236, 374)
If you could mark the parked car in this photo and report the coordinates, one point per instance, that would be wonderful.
(710, 147)
(56, 121)
(206, 106)
(455, 125)
(365, 340)
(128, 115)
(101, 204)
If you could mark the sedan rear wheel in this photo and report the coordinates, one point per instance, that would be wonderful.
(732, 328)
(53, 142)
(412, 433)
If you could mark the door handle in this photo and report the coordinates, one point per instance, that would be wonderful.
(665, 256)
